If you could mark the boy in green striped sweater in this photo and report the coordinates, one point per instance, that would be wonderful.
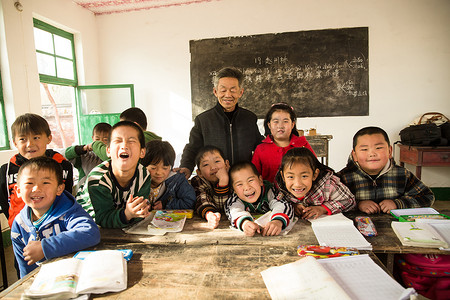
(116, 191)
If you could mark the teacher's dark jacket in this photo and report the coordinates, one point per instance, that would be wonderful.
(237, 138)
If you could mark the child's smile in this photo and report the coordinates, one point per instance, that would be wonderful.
(247, 185)
(299, 179)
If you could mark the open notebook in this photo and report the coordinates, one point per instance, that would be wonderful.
(350, 277)
(338, 231)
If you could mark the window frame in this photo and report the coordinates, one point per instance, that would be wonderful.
(3, 126)
(62, 33)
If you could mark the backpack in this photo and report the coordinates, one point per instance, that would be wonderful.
(428, 274)
(427, 132)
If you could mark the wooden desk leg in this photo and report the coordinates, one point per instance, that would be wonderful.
(390, 263)
(419, 172)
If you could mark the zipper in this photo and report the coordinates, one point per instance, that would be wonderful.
(231, 142)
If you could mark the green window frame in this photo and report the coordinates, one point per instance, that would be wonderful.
(4, 139)
(54, 57)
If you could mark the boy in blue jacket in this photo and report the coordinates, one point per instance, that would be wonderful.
(169, 189)
(52, 223)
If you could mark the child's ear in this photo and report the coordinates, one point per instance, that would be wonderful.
(390, 151)
(261, 180)
(142, 153)
(316, 173)
(355, 158)
(50, 137)
(108, 151)
(199, 173)
(227, 164)
(60, 189)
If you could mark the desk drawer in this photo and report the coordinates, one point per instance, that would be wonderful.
(436, 158)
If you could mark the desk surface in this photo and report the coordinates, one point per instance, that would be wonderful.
(223, 263)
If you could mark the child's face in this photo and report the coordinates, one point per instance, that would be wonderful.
(372, 153)
(101, 136)
(281, 125)
(247, 185)
(38, 189)
(158, 172)
(210, 163)
(299, 178)
(32, 145)
(125, 149)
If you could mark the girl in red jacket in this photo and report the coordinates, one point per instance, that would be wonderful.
(281, 135)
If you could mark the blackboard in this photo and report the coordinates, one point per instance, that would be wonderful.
(321, 73)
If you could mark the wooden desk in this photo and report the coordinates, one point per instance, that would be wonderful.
(424, 157)
(319, 143)
(221, 263)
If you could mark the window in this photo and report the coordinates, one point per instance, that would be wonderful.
(4, 141)
(55, 54)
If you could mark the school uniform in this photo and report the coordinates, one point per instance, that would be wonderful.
(104, 199)
(65, 229)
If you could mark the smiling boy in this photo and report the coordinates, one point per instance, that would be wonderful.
(211, 184)
(117, 189)
(52, 223)
(253, 195)
(379, 185)
(31, 135)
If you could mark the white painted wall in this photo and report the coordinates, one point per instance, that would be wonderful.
(409, 57)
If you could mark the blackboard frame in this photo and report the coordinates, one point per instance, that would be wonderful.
(321, 73)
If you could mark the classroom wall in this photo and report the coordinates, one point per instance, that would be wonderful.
(408, 57)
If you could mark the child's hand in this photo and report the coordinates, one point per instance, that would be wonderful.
(137, 207)
(33, 252)
(387, 205)
(313, 212)
(250, 228)
(87, 147)
(157, 205)
(369, 207)
(222, 175)
(298, 209)
(272, 228)
(213, 219)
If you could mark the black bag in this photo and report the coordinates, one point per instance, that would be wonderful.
(425, 134)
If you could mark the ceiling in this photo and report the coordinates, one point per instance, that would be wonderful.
(100, 7)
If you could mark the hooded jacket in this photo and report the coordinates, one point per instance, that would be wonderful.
(66, 229)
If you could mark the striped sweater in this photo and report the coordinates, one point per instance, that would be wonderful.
(104, 199)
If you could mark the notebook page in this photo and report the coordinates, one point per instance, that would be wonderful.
(303, 279)
(362, 278)
(441, 227)
(338, 231)
(414, 211)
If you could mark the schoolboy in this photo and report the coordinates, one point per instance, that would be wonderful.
(52, 223)
(83, 158)
(116, 191)
(378, 184)
(132, 114)
(169, 189)
(31, 135)
(211, 184)
(253, 195)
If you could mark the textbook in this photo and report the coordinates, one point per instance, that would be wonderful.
(100, 272)
(439, 227)
(339, 278)
(412, 214)
(159, 222)
(338, 231)
(418, 234)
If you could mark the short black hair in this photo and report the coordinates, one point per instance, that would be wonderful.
(134, 114)
(229, 72)
(30, 123)
(369, 131)
(240, 166)
(101, 127)
(156, 151)
(141, 137)
(43, 163)
(207, 149)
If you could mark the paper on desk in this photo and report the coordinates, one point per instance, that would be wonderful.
(264, 219)
(351, 277)
(338, 231)
(439, 227)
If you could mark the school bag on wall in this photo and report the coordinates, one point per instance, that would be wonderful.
(428, 274)
(427, 132)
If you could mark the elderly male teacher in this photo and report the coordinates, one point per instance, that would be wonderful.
(226, 126)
